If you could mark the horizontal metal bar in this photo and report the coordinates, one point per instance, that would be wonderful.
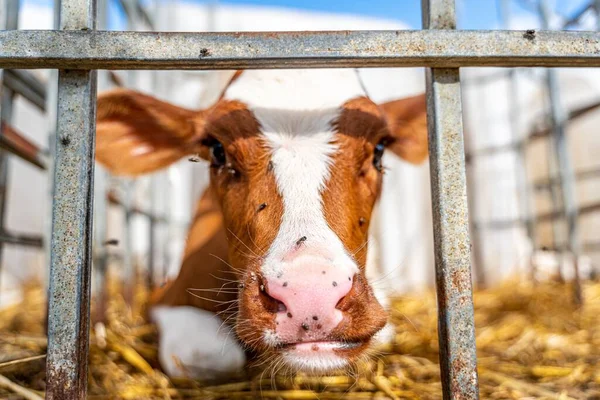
(114, 199)
(548, 216)
(27, 85)
(21, 239)
(17, 144)
(589, 247)
(543, 184)
(87, 49)
(538, 133)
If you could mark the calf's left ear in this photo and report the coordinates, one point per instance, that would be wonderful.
(407, 122)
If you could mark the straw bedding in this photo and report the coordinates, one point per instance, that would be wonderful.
(532, 343)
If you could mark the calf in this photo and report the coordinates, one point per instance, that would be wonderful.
(276, 257)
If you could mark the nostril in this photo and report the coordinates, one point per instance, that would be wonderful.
(270, 303)
(281, 307)
(342, 303)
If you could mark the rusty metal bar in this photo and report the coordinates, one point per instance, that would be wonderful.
(17, 144)
(72, 220)
(186, 50)
(458, 360)
(558, 118)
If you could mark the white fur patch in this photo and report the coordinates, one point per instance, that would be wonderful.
(271, 338)
(324, 362)
(295, 109)
(195, 344)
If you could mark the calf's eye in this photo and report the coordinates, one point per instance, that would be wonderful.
(217, 155)
(377, 155)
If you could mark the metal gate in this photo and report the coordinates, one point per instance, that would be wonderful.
(78, 49)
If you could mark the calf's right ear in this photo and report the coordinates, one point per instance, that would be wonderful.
(138, 134)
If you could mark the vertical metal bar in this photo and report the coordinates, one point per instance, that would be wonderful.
(10, 21)
(565, 170)
(152, 232)
(526, 214)
(476, 231)
(128, 262)
(597, 10)
(458, 360)
(69, 297)
(101, 204)
(100, 253)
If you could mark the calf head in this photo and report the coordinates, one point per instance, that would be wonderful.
(296, 165)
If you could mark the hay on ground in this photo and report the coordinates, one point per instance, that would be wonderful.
(532, 343)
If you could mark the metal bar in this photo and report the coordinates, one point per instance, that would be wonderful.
(72, 220)
(597, 10)
(548, 216)
(152, 233)
(589, 247)
(136, 12)
(186, 50)
(544, 184)
(23, 240)
(17, 144)
(9, 21)
(114, 199)
(574, 19)
(458, 360)
(129, 266)
(565, 170)
(536, 134)
(101, 177)
(100, 236)
(27, 85)
(6, 107)
(523, 190)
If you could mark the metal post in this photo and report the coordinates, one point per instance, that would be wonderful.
(69, 307)
(458, 360)
(152, 231)
(565, 169)
(523, 188)
(101, 204)
(100, 253)
(9, 21)
(129, 266)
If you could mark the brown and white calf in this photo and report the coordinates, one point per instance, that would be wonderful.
(295, 172)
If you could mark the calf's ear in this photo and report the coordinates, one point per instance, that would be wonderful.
(138, 134)
(407, 123)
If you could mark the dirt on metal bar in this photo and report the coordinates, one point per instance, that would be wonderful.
(532, 343)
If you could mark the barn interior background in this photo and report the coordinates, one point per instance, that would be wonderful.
(534, 199)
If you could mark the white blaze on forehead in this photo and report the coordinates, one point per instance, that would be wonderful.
(295, 109)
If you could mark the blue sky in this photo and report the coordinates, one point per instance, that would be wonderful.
(471, 14)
